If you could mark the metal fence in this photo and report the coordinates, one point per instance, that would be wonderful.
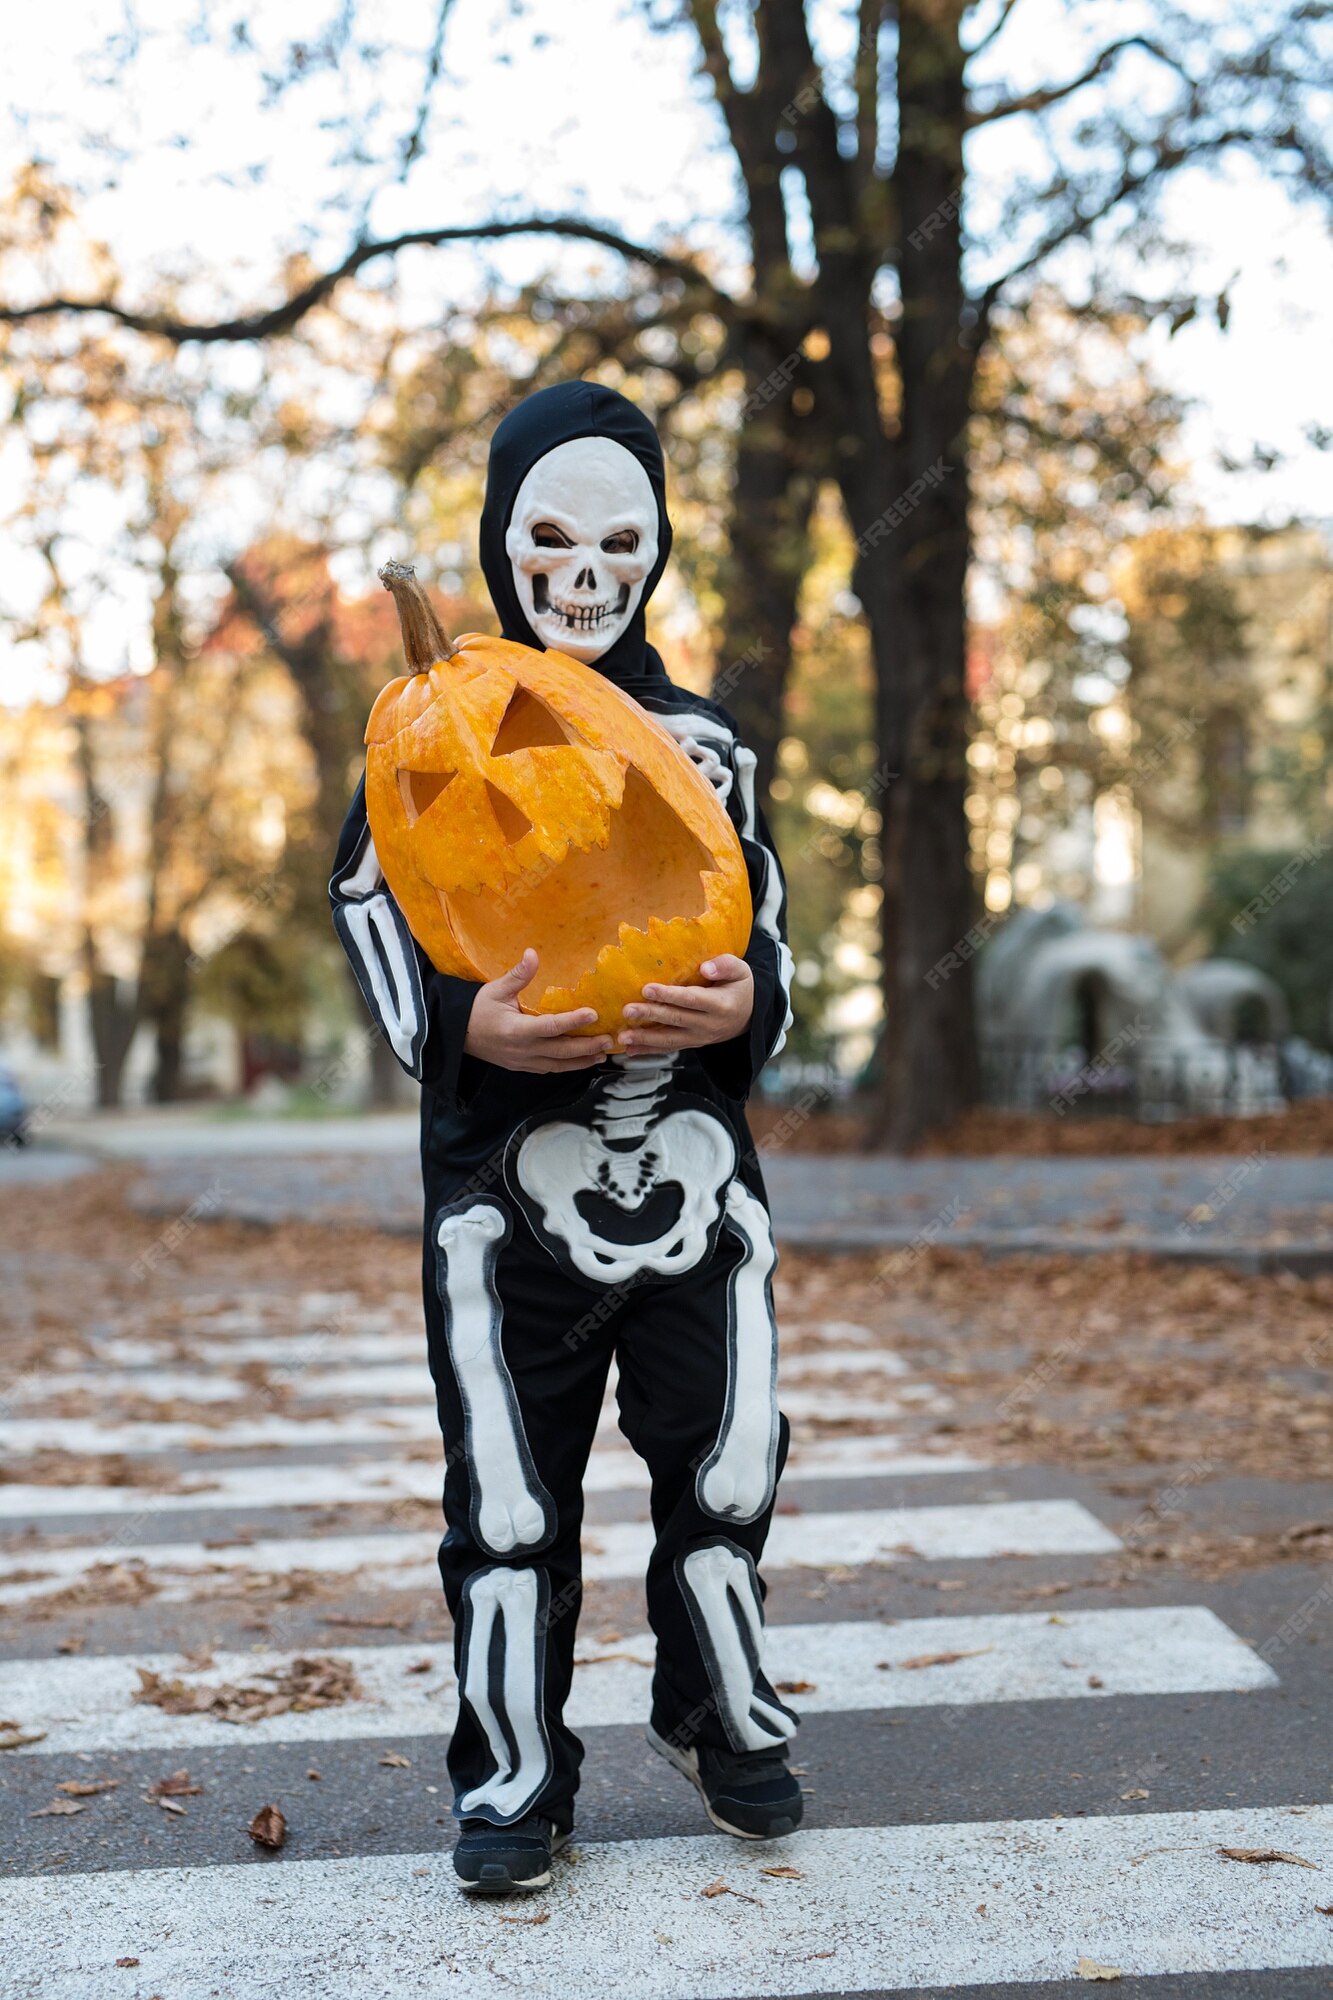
(1148, 1082)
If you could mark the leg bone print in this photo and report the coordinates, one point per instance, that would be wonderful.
(735, 1482)
(722, 1594)
(511, 1508)
(629, 1193)
(504, 1692)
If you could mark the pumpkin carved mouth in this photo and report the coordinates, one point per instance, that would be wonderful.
(648, 863)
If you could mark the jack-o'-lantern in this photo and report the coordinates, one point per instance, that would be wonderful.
(519, 798)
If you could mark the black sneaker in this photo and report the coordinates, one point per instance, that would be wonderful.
(750, 1793)
(500, 1860)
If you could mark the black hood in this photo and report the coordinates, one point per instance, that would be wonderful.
(548, 418)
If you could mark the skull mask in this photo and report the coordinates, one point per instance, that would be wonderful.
(581, 540)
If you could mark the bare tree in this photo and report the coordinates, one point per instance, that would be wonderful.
(873, 358)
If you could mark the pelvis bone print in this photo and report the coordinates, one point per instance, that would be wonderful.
(629, 1186)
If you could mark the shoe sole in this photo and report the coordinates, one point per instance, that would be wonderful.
(680, 1761)
(502, 1883)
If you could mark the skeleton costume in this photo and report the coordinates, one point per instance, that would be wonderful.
(618, 1212)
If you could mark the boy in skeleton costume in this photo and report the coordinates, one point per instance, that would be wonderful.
(585, 1202)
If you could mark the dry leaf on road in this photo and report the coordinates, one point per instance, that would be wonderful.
(180, 1785)
(1266, 1854)
(268, 1828)
(13, 1736)
(939, 1659)
(87, 1788)
(396, 1759)
(795, 1687)
(542, 1917)
(785, 1874)
(58, 1809)
(1088, 1968)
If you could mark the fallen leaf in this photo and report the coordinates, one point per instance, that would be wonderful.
(58, 1809)
(87, 1788)
(981, 1909)
(180, 1785)
(14, 1737)
(1137, 1793)
(795, 1687)
(718, 1888)
(942, 1659)
(542, 1917)
(171, 1806)
(1096, 1681)
(312, 1773)
(419, 1667)
(785, 1874)
(397, 1760)
(1266, 1854)
(127, 1961)
(1056, 1619)
(1323, 1909)
(268, 1828)
(1088, 1968)
(74, 1644)
(309, 1682)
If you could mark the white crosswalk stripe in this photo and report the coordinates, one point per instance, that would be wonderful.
(610, 1470)
(872, 1907)
(610, 1549)
(88, 1704)
(413, 1419)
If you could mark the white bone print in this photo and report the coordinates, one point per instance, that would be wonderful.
(735, 1481)
(511, 1507)
(625, 1154)
(507, 1701)
(722, 1597)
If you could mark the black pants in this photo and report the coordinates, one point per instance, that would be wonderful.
(520, 1352)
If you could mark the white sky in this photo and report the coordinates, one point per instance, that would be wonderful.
(582, 108)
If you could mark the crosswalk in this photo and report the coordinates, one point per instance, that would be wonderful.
(251, 1433)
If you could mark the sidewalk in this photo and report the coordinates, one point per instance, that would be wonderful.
(1254, 1212)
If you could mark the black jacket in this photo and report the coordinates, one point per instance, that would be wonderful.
(470, 1108)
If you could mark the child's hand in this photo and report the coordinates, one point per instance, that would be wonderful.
(498, 1031)
(690, 1017)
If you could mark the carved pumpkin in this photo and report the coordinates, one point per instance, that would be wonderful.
(518, 798)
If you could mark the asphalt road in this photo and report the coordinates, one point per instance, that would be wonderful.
(1025, 1741)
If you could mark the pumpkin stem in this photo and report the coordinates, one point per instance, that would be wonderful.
(425, 640)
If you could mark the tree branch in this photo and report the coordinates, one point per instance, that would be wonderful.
(1081, 220)
(1040, 100)
(996, 29)
(281, 319)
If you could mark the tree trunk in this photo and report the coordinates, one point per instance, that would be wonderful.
(768, 530)
(931, 1068)
(164, 982)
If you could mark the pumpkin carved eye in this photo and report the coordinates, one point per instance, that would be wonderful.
(528, 724)
(420, 789)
